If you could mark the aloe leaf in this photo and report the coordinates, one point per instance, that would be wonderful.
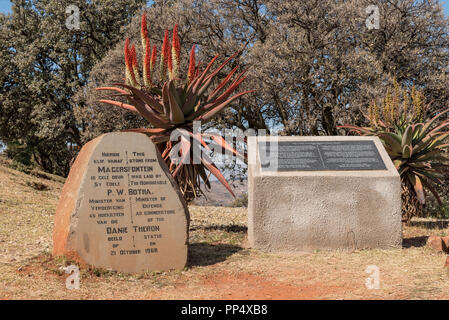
(153, 103)
(203, 75)
(113, 89)
(210, 114)
(428, 156)
(149, 114)
(407, 136)
(407, 152)
(234, 85)
(436, 141)
(429, 123)
(433, 176)
(166, 100)
(417, 130)
(393, 142)
(216, 172)
(365, 130)
(176, 114)
(218, 89)
(223, 144)
(398, 163)
(428, 186)
(146, 130)
(209, 78)
(185, 146)
(419, 165)
(160, 138)
(418, 187)
(122, 105)
(202, 173)
(221, 98)
(443, 146)
(441, 126)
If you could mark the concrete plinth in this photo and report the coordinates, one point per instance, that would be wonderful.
(293, 211)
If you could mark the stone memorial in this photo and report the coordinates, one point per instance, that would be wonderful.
(308, 193)
(120, 208)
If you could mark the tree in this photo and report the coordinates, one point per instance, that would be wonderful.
(45, 60)
(314, 64)
(322, 64)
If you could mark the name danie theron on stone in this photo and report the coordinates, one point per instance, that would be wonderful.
(128, 206)
(116, 230)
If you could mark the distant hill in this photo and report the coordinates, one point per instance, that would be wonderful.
(218, 195)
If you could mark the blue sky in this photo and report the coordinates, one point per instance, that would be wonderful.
(5, 6)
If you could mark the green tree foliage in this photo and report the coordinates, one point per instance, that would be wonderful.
(314, 63)
(43, 63)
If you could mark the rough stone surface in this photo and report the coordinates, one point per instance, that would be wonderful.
(436, 243)
(293, 211)
(440, 244)
(120, 208)
(445, 241)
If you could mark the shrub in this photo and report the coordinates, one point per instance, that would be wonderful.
(414, 142)
(169, 102)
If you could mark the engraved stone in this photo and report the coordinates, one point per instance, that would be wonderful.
(308, 193)
(120, 208)
(323, 155)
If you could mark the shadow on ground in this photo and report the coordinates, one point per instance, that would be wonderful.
(221, 227)
(414, 242)
(205, 254)
(437, 224)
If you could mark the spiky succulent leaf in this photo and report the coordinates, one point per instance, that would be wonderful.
(418, 150)
(170, 105)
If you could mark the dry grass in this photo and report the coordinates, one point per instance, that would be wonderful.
(220, 264)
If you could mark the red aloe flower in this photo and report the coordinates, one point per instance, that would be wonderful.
(135, 66)
(176, 51)
(191, 72)
(147, 65)
(165, 53)
(129, 71)
(144, 31)
(170, 66)
(153, 58)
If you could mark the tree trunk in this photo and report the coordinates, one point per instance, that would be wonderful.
(411, 207)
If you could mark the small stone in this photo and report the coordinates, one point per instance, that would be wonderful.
(445, 241)
(435, 243)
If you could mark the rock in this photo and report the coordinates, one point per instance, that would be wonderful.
(445, 241)
(435, 243)
(120, 208)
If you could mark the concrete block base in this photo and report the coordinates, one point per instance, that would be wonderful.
(297, 211)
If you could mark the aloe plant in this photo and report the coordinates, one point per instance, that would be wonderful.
(170, 103)
(417, 147)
